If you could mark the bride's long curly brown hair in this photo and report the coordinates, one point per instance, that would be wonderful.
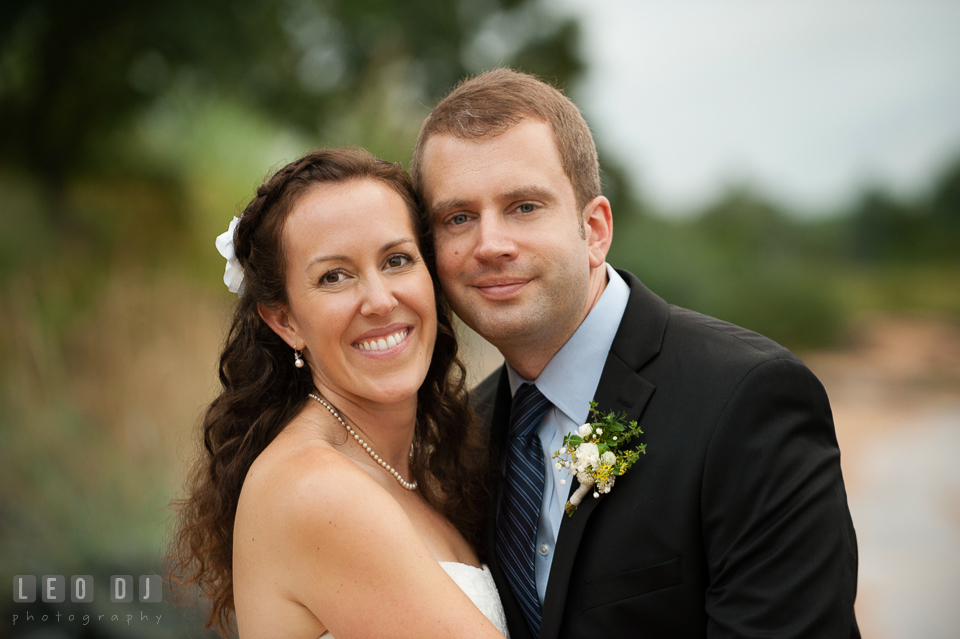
(262, 391)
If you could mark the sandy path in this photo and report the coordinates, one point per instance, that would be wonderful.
(895, 394)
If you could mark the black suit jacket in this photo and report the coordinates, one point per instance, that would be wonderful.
(735, 522)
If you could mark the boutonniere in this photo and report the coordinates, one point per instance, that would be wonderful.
(597, 454)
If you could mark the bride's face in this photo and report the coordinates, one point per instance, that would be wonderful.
(360, 297)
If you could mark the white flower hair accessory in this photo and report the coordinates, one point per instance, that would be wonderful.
(233, 275)
(594, 455)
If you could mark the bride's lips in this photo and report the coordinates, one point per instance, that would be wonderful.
(500, 288)
(383, 341)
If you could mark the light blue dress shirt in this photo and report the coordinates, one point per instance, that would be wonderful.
(570, 382)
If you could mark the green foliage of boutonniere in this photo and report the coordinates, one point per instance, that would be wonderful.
(597, 454)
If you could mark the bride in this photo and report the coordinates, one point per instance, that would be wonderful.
(338, 491)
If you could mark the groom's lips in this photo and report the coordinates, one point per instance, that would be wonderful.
(501, 288)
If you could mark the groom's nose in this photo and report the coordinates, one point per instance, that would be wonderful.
(494, 241)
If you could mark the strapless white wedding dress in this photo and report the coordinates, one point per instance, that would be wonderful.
(478, 584)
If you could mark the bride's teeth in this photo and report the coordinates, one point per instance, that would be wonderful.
(383, 344)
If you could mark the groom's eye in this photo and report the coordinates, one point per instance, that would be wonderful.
(459, 219)
(526, 208)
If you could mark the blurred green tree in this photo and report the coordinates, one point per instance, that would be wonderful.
(925, 229)
(74, 72)
(944, 211)
(885, 228)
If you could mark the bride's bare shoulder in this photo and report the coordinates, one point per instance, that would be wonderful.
(317, 532)
(296, 494)
(306, 511)
(295, 475)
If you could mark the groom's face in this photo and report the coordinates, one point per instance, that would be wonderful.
(510, 252)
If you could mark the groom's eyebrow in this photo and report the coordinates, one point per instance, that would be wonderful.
(531, 192)
(448, 205)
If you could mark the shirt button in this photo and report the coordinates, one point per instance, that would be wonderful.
(544, 549)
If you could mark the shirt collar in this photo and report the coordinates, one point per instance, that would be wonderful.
(571, 378)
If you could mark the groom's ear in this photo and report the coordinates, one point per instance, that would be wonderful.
(278, 319)
(598, 228)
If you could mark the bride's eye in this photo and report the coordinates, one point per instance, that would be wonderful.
(396, 261)
(333, 277)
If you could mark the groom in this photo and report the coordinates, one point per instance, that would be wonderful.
(735, 521)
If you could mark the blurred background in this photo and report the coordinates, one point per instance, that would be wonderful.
(791, 167)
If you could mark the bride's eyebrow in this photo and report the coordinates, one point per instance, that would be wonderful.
(326, 258)
(392, 245)
(344, 258)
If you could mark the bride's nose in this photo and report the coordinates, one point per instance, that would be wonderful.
(378, 299)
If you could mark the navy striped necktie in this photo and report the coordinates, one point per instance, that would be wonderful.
(521, 499)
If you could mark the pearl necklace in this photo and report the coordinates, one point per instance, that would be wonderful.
(333, 411)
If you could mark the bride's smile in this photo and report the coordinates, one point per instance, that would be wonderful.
(361, 301)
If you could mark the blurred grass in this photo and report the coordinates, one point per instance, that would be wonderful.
(97, 413)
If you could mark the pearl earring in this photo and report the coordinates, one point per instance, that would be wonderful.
(297, 358)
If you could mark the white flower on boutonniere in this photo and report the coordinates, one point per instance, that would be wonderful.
(233, 275)
(594, 454)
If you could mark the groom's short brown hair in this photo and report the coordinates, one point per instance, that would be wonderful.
(489, 104)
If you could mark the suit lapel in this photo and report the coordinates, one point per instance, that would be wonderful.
(622, 390)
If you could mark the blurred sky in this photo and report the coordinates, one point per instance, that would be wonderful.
(808, 100)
